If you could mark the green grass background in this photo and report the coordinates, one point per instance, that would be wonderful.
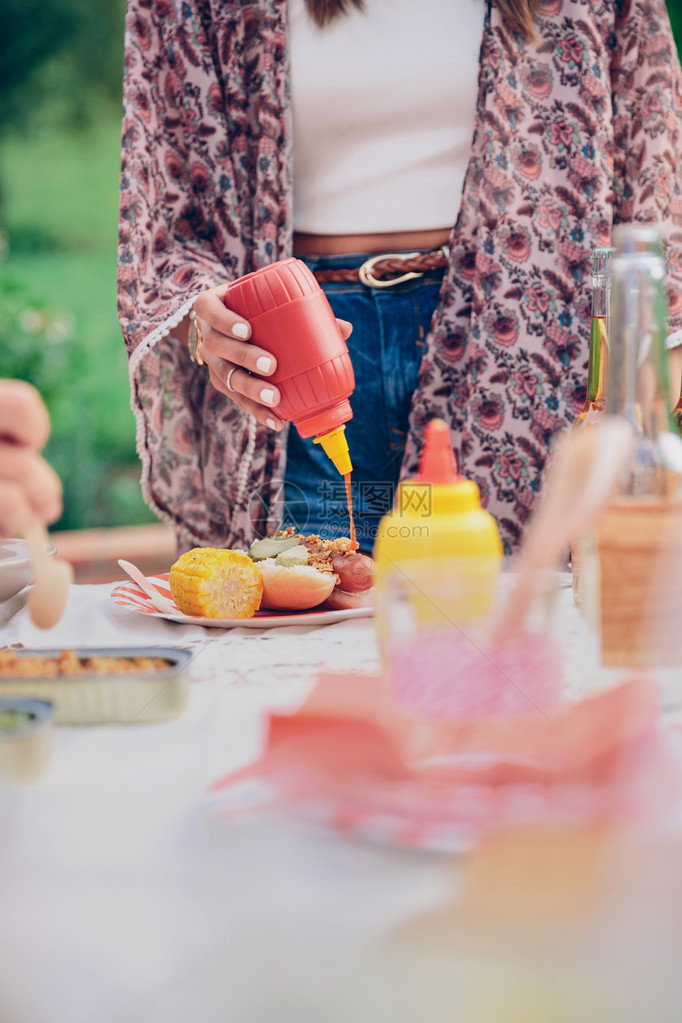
(60, 206)
(59, 212)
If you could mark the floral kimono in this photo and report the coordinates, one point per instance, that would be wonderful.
(574, 132)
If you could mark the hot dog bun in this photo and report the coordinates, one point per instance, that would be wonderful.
(335, 577)
(342, 600)
(294, 589)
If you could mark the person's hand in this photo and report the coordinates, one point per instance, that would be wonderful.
(29, 488)
(229, 356)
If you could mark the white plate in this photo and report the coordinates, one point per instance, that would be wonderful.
(129, 595)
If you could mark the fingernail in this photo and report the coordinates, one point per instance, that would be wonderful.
(271, 423)
(264, 365)
(267, 396)
(240, 330)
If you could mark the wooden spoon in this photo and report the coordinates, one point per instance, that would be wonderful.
(49, 593)
(580, 480)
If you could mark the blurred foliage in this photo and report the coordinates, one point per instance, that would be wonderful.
(57, 56)
(61, 188)
(60, 83)
(61, 64)
(58, 280)
(85, 386)
(32, 33)
(34, 339)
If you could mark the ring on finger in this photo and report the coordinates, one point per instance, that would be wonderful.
(195, 339)
(228, 379)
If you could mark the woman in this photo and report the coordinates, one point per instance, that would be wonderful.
(574, 125)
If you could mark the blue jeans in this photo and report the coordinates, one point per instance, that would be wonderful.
(389, 333)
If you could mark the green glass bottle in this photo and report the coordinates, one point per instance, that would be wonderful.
(593, 410)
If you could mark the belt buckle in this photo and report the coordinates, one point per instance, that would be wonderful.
(366, 276)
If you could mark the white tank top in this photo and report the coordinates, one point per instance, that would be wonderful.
(383, 113)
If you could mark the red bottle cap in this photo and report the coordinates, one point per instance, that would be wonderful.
(437, 463)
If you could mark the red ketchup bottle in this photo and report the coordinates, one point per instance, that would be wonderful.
(291, 318)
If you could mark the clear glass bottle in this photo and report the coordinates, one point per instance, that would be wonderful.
(594, 408)
(637, 584)
(637, 380)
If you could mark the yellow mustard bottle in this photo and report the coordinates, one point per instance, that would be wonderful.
(437, 549)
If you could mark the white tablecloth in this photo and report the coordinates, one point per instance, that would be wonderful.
(123, 897)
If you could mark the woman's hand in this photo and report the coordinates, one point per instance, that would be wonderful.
(229, 355)
(29, 488)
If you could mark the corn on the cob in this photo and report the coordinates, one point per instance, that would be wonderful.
(215, 583)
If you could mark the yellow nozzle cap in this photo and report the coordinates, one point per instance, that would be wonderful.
(335, 445)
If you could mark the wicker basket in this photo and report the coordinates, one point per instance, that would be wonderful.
(639, 546)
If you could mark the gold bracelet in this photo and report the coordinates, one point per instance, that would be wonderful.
(195, 339)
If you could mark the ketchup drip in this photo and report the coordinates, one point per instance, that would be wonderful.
(349, 502)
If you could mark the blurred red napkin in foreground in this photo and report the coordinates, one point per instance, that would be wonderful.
(352, 750)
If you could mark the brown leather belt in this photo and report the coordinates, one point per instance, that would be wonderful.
(406, 265)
